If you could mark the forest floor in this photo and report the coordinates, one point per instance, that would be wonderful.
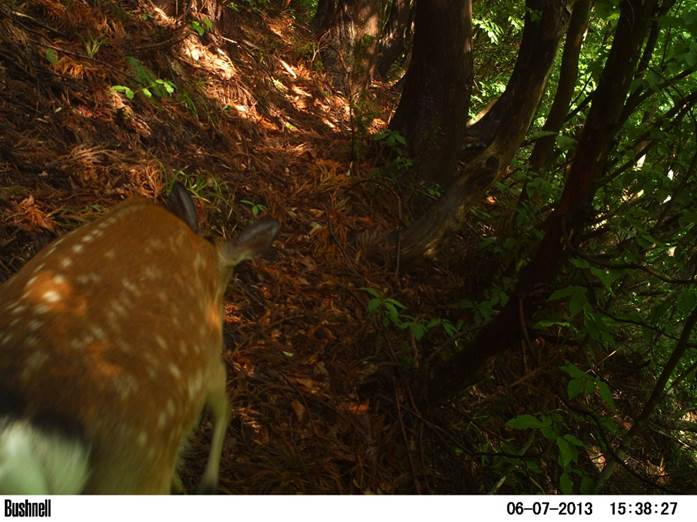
(99, 103)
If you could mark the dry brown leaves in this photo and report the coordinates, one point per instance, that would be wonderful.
(253, 128)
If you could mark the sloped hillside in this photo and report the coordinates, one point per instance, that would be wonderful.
(98, 102)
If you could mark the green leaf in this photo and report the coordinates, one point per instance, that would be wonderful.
(395, 303)
(589, 386)
(567, 453)
(566, 484)
(603, 276)
(392, 313)
(548, 323)
(524, 422)
(533, 467)
(166, 85)
(587, 485)
(417, 330)
(142, 74)
(573, 440)
(549, 432)
(196, 26)
(575, 388)
(687, 218)
(565, 142)
(606, 395)
(687, 300)
(374, 305)
(609, 425)
(146, 92)
(51, 56)
(578, 303)
(369, 291)
(578, 299)
(574, 371)
(434, 322)
(123, 89)
(449, 328)
(580, 263)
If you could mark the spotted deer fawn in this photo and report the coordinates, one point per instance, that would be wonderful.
(110, 347)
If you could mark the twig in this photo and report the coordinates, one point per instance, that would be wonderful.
(17, 14)
(657, 393)
(406, 439)
(633, 266)
(616, 458)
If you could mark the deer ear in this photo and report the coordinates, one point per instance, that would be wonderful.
(181, 205)
(253, 242)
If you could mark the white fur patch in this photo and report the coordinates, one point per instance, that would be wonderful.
(34, 462)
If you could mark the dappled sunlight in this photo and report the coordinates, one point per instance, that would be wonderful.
(498, 330)
(214, 60)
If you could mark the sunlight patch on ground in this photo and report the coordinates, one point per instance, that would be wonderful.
(214, 60)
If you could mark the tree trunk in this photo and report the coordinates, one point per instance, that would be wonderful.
(540, 40)
(510, 116)
(395, 35)
(348, 31)
(605, 118)
(568, 73)
(433, 108)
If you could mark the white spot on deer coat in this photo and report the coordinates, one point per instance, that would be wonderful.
(97, 331)
(51, 296)
(18, 309)
(174, 370)
(152, 273)
(33, 362)
(130, 286)
(34, 325)
(119, 308)
(161, 342)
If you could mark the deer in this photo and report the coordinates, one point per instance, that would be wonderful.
(111, 342)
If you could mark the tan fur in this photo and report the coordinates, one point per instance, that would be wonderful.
(118, 326)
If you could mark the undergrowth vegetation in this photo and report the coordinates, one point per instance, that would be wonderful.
(331, 354)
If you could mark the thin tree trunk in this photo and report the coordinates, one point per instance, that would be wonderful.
(395, 35)
(545, 21)
(568, 74)
(605, 118)
(652, 403)
(540, 41)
